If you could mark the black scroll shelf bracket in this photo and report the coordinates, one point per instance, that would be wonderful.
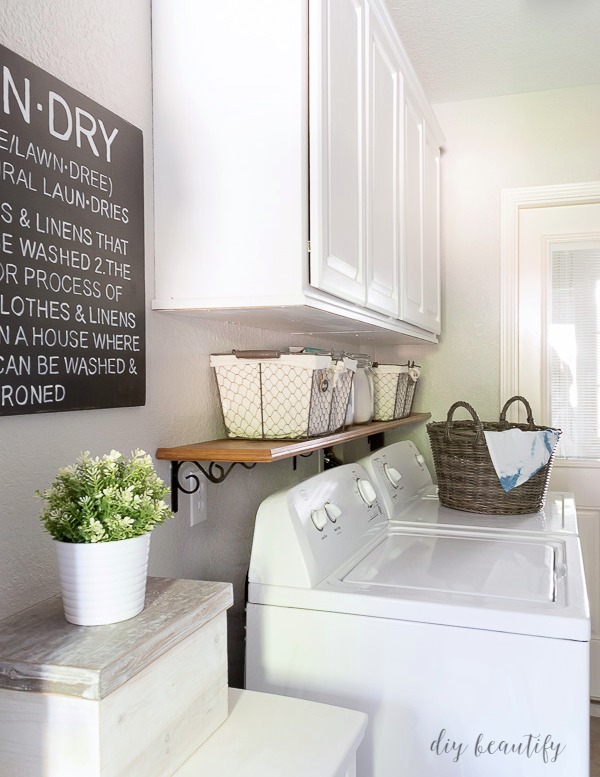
(214, 472)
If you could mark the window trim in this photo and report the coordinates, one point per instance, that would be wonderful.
(511, 203)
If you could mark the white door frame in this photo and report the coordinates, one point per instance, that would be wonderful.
(512, 201)
(568, 472)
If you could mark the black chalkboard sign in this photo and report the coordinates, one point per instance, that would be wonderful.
(72, 295)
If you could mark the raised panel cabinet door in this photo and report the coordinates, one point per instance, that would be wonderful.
(411, 279)
(383, 223)
(337, 147)
(420, 274)
(431, 307)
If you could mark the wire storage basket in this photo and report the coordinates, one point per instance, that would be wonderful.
(394, 390)
(467, 479)
(273, 396)
(344, 370)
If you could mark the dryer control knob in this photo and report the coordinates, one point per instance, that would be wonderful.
(393, 475)
(333, 511)
(420, 458)
(319, 518)
(366, 491)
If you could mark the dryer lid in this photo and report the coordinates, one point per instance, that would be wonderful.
(557, 517)
(477, 567)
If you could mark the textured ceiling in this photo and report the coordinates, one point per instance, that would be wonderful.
(465, 49)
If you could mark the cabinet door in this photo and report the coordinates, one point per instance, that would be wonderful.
(383, 223)
(420, 276)
(336, 106)
(431, 307)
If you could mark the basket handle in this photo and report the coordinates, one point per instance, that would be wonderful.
(479, 438)
(256, 354)
(504, 422)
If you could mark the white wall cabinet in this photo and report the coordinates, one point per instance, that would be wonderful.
(280, 169)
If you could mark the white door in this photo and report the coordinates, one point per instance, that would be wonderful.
(548, 349)
(384, 98)
(337, 147)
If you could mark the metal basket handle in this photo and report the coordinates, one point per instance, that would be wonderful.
(479, 437)
(256, 354)
(504, 423)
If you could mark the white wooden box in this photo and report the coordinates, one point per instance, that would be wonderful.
(134, 698)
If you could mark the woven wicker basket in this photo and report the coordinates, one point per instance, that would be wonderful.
(466, 476)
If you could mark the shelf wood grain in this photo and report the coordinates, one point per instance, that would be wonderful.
(265, 451)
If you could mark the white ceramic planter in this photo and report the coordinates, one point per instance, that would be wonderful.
(103, 582)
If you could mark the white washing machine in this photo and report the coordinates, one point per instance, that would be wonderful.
(468, 649)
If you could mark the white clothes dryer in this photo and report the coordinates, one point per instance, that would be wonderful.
(406, 493)
(468, 650)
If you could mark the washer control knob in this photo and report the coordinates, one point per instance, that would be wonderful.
(333, 511)
(420, 458)
(319, 518)
(366, 491)
(393, 475)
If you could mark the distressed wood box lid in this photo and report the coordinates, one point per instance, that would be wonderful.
(41, 652)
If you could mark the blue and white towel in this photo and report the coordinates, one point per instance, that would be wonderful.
(518, 455)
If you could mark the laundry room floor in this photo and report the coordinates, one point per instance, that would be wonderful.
(594, 747)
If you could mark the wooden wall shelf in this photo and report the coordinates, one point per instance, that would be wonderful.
(248, 453)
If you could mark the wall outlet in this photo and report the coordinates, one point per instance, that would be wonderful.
(198, 509)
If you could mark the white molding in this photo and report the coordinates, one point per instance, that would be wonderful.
(511, 202)
(593, 464)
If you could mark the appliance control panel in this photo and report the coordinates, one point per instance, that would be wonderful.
(336, 512)
(399, 474)
(338, 506)
(304, 533)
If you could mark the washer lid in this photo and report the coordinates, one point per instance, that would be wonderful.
(475, 566)
(514, 583)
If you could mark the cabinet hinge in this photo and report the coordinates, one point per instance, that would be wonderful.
(308, 246)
